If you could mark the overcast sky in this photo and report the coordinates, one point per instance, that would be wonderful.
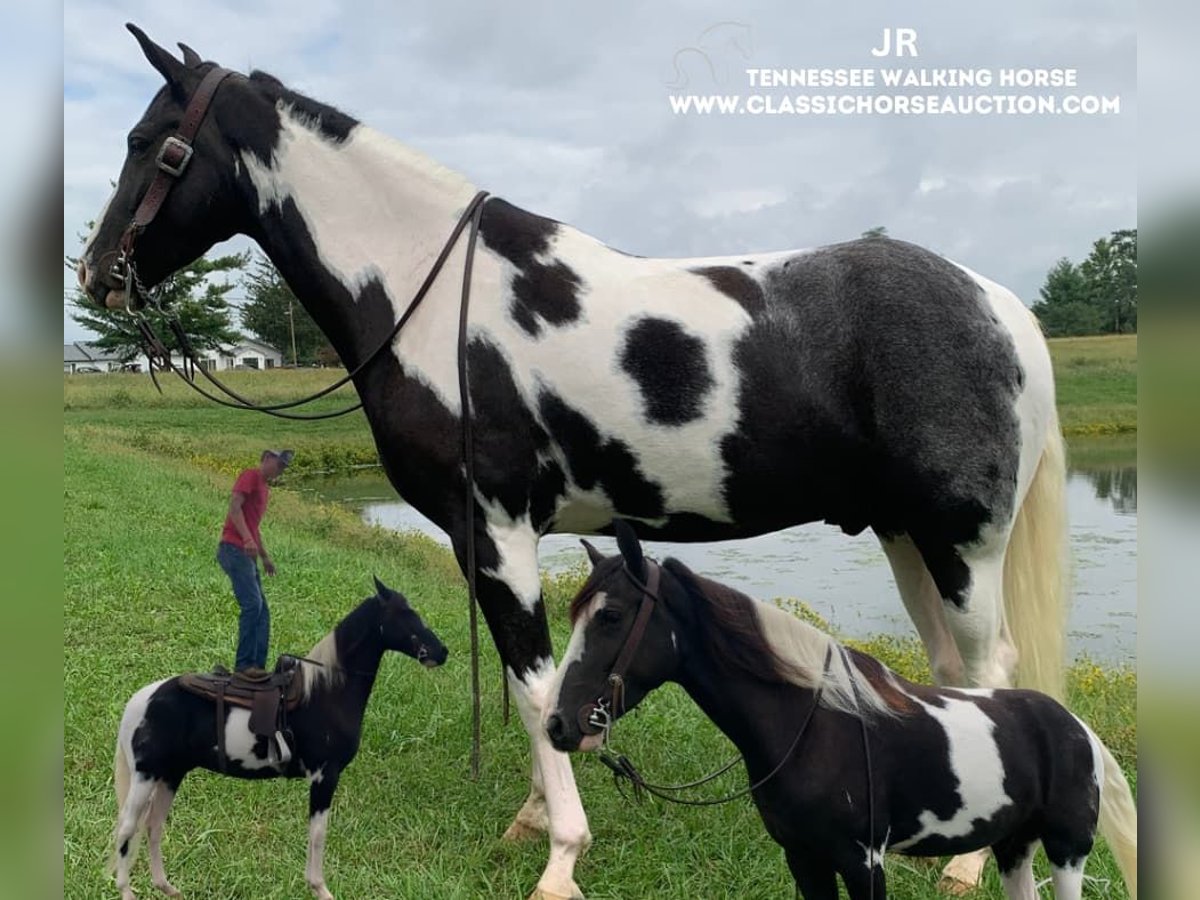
(563, 108)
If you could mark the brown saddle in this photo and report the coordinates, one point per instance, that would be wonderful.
(269, 696)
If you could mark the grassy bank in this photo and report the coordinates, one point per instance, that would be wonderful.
(1096, 378)
(145, 490)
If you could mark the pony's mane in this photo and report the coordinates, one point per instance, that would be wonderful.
(328, 672)
(740, 634)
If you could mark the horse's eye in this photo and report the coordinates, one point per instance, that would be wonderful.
(137, 143)
(609, 615)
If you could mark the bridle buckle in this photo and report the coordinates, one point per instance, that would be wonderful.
(174, 167)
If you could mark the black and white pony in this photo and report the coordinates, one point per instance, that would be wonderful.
(167, 732)
(870, 384)
(952, 770)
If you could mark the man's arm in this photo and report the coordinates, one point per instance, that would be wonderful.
(238, 518)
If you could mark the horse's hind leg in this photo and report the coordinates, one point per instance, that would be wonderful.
(129, 820)
(925, 608)
(160, 806)
(1014, 858)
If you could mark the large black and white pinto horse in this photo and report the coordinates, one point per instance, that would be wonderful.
(870, 384)
(950, 770)
(166, 732)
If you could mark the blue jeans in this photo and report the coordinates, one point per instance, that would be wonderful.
(254, 623)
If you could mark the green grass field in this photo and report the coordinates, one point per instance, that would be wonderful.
(1096, 379)
(146, 482)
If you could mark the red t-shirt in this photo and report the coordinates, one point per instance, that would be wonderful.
(253, 485)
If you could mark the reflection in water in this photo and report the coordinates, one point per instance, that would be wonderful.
(847, 579)
(1118, 485)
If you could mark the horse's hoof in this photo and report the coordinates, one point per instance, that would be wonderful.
(543, 894)
(948, 884)
(522, 831)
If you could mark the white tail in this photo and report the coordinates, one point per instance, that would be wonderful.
(1118, 819)
(1035, 573)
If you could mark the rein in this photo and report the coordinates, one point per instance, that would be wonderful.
(173, 158)
(159, 356)
(622, 768)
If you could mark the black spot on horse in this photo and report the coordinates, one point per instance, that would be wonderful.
(545, 293)
(517, 235)
(594, 461)
(876, 375)
(736, 284)
(671, 368)
(542, 291)
(507, 437)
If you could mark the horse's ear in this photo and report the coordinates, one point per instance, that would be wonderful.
(168, 66)
(593, 554)
(631, 550)
(191, 58)
(381, 590)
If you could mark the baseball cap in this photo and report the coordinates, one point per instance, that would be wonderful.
(284, 456)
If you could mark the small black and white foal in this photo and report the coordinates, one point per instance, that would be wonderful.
(950, 770)
(166, 732)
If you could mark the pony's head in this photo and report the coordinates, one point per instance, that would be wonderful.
(401, 629)
(627, 611)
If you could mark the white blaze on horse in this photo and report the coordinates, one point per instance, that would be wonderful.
(870, 384)
(847, 759)
(167, 731)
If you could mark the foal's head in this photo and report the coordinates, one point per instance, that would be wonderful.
(401, 629)
(605, 616)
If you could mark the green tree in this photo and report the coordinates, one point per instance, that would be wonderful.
(877, 231)
(1111, 274)
(273, 314)
(191, 294)
(1066, 305)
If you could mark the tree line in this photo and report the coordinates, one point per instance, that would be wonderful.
(199, 295)
(1097, 296)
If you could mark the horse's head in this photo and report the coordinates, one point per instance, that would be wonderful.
(402, 629)
(624, 644)
(199, 173)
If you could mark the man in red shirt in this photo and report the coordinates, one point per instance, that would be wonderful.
(239, 551)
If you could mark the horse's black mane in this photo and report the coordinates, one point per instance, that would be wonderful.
(329, 121)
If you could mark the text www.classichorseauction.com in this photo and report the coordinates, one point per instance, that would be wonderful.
(963, 81)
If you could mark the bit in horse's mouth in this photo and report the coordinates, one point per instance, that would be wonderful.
(115, 299)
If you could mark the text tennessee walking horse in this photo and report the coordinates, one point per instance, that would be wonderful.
(870, 384)
(847, 759)
(166, 731)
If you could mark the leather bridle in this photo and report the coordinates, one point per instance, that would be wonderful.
(600, 714)
(172, 159)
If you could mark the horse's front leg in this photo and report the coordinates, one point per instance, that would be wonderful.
(509, 590)
(323, 783)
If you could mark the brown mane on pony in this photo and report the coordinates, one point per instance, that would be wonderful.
(730, 629)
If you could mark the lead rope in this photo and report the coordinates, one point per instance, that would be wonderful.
(867, 765)
(468, 450)
(622, 768)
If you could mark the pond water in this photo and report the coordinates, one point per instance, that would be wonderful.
(847, 579)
